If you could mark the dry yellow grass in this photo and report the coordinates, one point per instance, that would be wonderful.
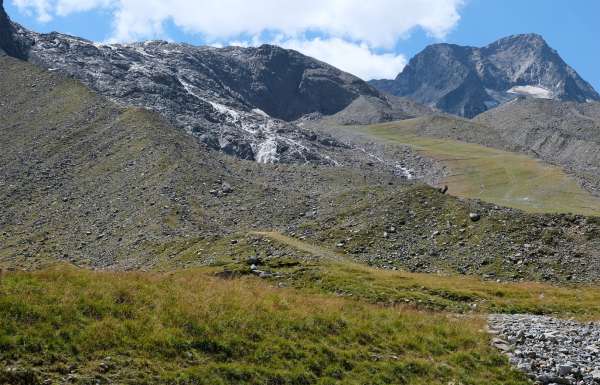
(190, 327)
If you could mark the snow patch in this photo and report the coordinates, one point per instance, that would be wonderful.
(533, 91)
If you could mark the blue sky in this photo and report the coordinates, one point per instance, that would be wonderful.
(370, 39)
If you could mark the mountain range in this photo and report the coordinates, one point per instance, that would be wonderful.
(175, 214)
(467, 81)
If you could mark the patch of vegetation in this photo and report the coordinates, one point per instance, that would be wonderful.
(189, 327)
(496, 176)
(446, 292)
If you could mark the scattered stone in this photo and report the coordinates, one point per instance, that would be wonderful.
(553, 351)
(474, 217)
(226, 188)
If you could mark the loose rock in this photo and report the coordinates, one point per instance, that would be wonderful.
(549, 349)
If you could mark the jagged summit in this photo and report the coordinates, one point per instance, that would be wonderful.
(468, 80)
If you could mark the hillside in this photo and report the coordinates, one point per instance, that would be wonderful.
(102, 186)
(467, 81)
(563, 133)
(92, 183)
(497, 176)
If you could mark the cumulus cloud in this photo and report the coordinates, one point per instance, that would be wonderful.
(350, 31)
(358, 59)
(41, 8)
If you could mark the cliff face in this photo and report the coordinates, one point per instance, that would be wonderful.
(10, 43)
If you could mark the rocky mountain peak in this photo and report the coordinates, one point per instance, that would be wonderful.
(533, 39)
(468, 80)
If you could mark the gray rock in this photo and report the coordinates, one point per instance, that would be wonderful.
(226, 188)
(550, 350)
(468, 81)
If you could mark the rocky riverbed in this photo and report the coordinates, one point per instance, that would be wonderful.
(550, 350)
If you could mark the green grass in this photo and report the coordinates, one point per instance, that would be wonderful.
(496, 176)
(189, 327)
(446, 292)
(321, 320)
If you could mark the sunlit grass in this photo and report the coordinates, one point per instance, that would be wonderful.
(496, 176)
(190, 327)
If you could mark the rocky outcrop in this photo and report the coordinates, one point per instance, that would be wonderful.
(467, 81)
(10, 44)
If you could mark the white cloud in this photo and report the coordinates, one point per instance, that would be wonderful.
(350, 30)
(357, 59)
(41, 8)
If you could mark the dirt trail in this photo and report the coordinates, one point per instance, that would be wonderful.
(301, 245)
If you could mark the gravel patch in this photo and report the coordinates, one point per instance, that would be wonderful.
(550, 350)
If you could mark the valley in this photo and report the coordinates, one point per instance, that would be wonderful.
(180, 214)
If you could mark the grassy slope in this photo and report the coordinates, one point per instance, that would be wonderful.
(319, 321)
(447, 292)
(497, 176)
(190, 327)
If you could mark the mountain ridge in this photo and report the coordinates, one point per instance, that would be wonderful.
(467, 81)
(241, 101)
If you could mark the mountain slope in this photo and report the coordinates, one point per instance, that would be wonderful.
(368, 110)
(87, 181)
(100, 186)
(564, 133)
(238, 100)
(467, 81)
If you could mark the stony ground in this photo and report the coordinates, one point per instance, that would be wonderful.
(550, 350)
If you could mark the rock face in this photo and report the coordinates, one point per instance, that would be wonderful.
(238, 100)
(467, 81)
(10, 44)
(552, 351)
